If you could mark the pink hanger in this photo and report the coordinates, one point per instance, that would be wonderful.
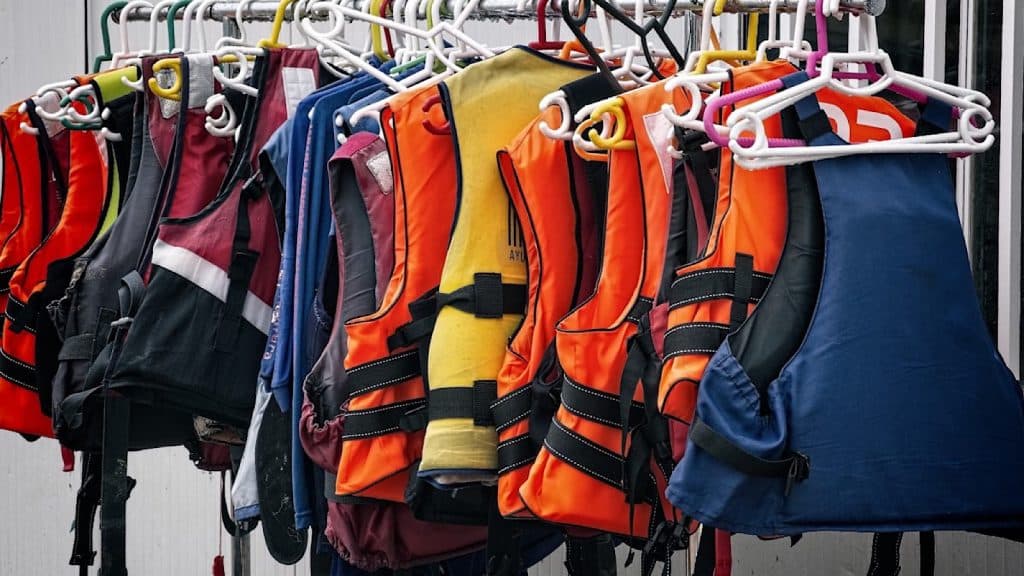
(821, 24)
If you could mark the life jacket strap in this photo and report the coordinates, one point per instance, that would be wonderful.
(695, 338)
(17, 372)
(373, 422)
(21, 315)
(77, 347)
(512, 408)
(719, 284)
(383, 373)
(590, 556)
(5, 278)
(465, 402)
(486, 297)
(515, 453)
(424, 315)
(598, 406)
(795, 467)
(86, 503)
(592, 459)
(240, 271)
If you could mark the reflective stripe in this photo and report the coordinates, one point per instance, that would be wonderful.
(211, 278)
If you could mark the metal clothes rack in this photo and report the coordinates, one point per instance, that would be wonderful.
(521, 10)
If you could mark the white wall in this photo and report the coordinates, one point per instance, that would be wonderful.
(174, 527)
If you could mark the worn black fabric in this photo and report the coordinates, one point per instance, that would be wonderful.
(285, 543)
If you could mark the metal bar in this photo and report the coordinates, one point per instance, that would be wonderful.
(1011, 183)
(965, 166)
(935, 40)
(509, 9)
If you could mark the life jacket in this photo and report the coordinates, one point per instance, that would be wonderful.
(377, 534)
(556, 205)
(482, 293)
(177, 168)
(713, 296)
(384, 378)
(213, 275)
(82, 191)
(880, 347)
(607, 441)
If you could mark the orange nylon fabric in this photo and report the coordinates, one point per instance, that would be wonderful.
(378, 466)
(592, 340)
(750, 219)
(540, 182)
(85, 205)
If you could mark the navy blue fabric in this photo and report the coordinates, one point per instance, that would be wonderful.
(305, 250)
(910, 418)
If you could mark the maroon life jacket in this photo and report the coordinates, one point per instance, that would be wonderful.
(197, 337)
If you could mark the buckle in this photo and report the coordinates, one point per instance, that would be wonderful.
(799, 470)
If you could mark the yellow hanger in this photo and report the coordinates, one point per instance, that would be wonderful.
(376, 32)
(275, 31)
(174, 91)
(585, 125)
(613, 107)
(739, 55)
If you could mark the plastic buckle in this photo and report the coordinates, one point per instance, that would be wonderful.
(799, 470)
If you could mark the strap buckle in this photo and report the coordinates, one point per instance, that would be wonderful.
(799, 470)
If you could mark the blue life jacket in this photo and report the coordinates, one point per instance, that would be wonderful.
(864, 393)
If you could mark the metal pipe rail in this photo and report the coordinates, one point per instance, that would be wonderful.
(510, 9)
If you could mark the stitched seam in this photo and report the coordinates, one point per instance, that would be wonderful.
(696, 325)
(512, 467)
(518, 418)
(385, 384)
(687, 352)
(387, 360)
(701, 298)
(374, 433)
(14, 360)
(588, 443)
(600, 395)
(385, 408)
(582, 467)
(508, 397)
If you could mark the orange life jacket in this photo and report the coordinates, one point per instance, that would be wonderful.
(555, 208)
(605, 463)
(381, 440)
(711, 297)
(85, 194)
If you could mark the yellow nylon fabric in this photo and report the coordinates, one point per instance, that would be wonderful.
(490, 103)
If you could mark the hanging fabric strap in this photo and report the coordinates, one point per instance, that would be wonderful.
(240, 271)
(486, 297)
(423, 311)
(885, 554)
(116, 486)
(82, 552)
(794, 467)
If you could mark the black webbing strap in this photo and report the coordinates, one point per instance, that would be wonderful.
(705, 562)
(240, 271)
(696, 338)
(601, 407)
(591, 459)
(638, 313)
(885, 554)
(424, 315)
(503, 557)
(18, 372)
(717, 284)
(20, 315)
(5, 278)
(116, 486)
(795, 467)
(383, 420)
(86, 503)
(464, 402)
(383, 373)
(590, 556)
(742, 290)
(512, 408)
(486, 297)
(515, 453)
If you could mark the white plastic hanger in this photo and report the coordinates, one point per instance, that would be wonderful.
(773, 42)
(967, 138)
(242, 39)
(125, 55)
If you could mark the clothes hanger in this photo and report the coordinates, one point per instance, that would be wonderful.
(773, 42)
(750, 53)
(435, 51)
(656, 25)
(105, 17)
(125, 55)
(154, 20)
(973, 131)
(42, 94)
(172, 14)
(242, 39)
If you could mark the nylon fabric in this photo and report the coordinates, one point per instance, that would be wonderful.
(484, 239)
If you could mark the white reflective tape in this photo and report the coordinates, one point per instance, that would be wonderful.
(211, 278)
(298, 83)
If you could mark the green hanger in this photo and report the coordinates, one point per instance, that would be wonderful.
(172, 12)
(105, 33)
